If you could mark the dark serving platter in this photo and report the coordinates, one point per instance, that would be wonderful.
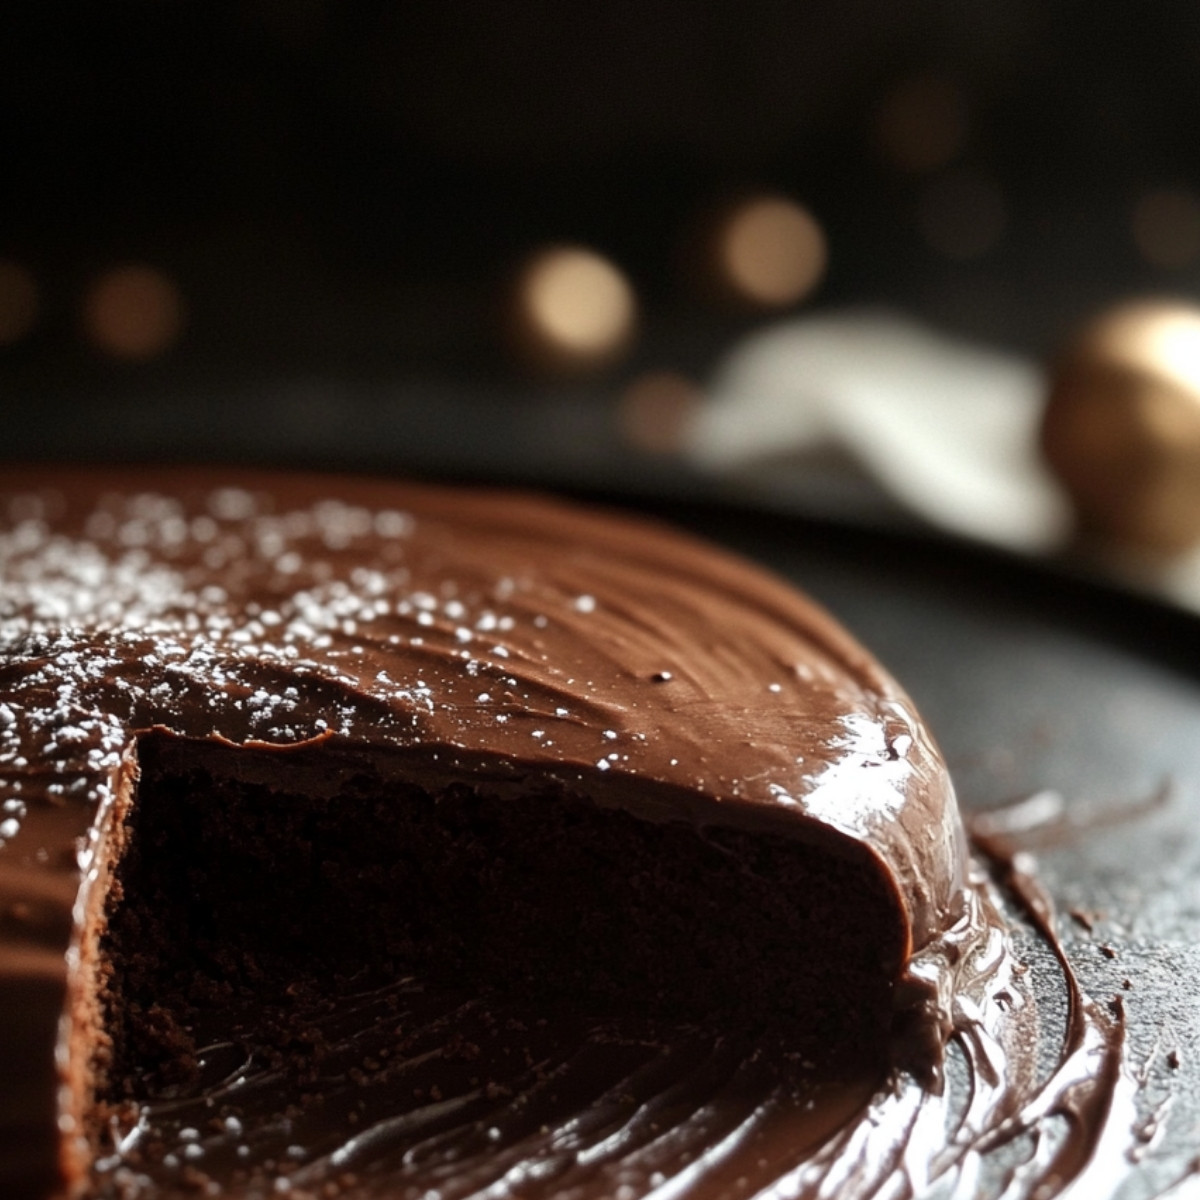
(1040, 682)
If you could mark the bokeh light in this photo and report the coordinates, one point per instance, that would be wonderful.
(1166, 227)
(133, 312)
(571, 310)
(961, 215)
(770, 252)
(754, 251)
(654, 409)
(19, 302)
(922, 124)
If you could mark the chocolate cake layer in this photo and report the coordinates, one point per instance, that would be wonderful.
(303, 630)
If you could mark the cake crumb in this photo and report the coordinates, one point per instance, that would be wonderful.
(1083, 918)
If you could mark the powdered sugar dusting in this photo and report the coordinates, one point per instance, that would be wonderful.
(236, 613)
(259, 623)
(107, 629)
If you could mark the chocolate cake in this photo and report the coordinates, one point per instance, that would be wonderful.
(262, 734)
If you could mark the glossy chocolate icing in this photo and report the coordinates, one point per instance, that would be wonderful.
(467, 634)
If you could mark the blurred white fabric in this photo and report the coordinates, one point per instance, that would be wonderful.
(947, 428)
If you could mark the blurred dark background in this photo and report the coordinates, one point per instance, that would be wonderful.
(321, 201)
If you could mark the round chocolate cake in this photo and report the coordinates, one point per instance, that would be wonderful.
(264, 736)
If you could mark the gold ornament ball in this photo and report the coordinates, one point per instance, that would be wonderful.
(1122, 426)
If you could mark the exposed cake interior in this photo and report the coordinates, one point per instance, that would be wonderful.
(254, 872)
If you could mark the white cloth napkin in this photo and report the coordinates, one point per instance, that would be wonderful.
(947, 428)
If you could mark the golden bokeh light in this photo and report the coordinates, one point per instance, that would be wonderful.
(654, 409)
(1122, 425)
(571, 310)
(1166, 227)
(961, 215)
(769, 252)
(133, 312)
(922, 124)
(19, 302)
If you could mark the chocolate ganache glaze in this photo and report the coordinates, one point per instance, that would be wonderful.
(465, 639)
